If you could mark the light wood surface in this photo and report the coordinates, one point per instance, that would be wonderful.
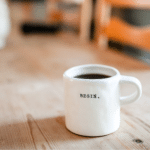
(31, 94)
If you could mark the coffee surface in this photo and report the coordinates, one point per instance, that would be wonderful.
(92, 76)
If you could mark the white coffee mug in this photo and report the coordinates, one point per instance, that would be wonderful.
(92, 106)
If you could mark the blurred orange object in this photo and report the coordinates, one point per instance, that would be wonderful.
(53, 14)
(113, 28)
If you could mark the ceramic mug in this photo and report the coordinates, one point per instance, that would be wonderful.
(92, 106)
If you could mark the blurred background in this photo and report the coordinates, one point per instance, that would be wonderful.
(41, 39)
(122, 26)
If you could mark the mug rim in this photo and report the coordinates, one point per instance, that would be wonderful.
(117, 73)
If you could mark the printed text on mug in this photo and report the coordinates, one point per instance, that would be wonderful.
(88, 96)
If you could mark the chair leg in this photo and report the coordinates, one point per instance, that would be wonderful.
(86, 17)
(51, 11)
(27, 11)
(102, 17)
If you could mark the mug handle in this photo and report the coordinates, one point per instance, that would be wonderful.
(135, 96)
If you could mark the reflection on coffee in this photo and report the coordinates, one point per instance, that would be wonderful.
(92, 76)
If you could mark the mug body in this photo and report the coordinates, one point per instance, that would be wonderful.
(92, 106)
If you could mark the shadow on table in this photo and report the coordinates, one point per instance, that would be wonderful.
(36, 133)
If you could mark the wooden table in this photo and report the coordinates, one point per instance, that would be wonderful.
(31, 94)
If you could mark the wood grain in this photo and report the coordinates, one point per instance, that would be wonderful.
(31, 94)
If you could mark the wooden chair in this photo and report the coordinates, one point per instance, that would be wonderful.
(113, 28)
(85, 18)
(54, 15)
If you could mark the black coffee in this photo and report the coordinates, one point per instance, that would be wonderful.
(92, 76)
